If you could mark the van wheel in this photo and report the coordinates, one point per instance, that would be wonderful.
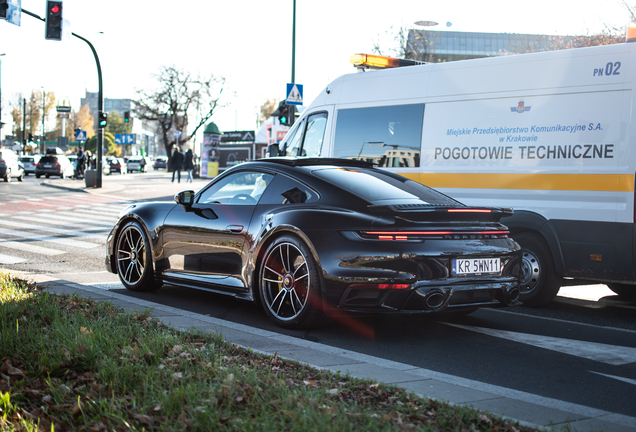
(7, 175)
(539, 281)
(625, 291)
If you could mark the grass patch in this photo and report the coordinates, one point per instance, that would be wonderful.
(74, 364)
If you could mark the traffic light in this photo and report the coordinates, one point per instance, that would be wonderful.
(30, 137)
(103, 119)
(4, 5)
(53, 20)
(126, 116)
(283, 114)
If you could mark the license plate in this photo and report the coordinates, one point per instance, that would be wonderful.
(476, 266)
(46, 166)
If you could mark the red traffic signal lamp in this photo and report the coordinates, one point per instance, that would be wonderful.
(53, 20)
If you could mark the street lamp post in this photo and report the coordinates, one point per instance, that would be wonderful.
(1, 124)
(425, 23)
(43, 115)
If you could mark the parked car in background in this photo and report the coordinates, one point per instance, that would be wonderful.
(30, 162)
(10, 166)
(161, 162)
(115, 165)
(307, 237)
(137, 163)
(54, 165)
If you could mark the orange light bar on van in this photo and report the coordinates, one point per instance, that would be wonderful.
(469, 211)
(374, 61)
(381, 62)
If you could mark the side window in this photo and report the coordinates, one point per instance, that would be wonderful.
(294, 141)
(241, 188)
(284, 190)
(312, 144)
(388, 136)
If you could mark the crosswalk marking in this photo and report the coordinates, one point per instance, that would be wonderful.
(26, 247)
(72, 233)
(6, 259)
(51, 239)
(31, 227)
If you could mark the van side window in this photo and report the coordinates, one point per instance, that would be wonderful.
(388, 136)
(294, 141)
(312, 144)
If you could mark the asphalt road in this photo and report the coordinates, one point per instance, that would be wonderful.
(581, 349)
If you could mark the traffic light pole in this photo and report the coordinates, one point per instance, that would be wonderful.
(100, 103)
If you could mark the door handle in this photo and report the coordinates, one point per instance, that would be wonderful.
(236, 229)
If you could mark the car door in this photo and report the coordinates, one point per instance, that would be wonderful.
(207, 243)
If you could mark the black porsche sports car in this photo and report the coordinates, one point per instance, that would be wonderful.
(310, 237)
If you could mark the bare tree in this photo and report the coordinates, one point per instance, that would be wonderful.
(178, 96)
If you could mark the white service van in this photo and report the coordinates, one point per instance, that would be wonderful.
(551, 134)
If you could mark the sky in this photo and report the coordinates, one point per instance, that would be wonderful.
(249, 42)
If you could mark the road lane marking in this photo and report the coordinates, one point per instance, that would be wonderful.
(27, 247)
(610, 354)
(627, 380)
(7, 259)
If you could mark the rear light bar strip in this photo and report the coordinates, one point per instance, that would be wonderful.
(403, 233)
(469, 211)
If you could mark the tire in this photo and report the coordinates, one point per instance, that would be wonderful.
(290, 287)
(539, 281)
(37, 176)
(46, 175)
(624, 291)
(21, 176)
(7, 175)
(133, 259)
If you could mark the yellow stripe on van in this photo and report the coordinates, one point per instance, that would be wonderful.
(574, 182)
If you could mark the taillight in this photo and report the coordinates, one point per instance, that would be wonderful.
(381, 286)
(421, 235)
(469, 211)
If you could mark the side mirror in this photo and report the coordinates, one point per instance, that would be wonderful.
(185, 198)
(272, 150)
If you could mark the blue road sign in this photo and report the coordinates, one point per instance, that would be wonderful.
(14, 12)
(80, 135)
(294, 94)
(124, 139)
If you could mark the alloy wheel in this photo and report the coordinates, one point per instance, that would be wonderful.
(131, 255)
(286, 281)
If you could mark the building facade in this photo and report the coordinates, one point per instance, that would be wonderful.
(442, 46)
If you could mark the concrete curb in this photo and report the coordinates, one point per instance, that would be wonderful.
(528, 409)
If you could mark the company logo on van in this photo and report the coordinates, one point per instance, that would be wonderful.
(521, 107)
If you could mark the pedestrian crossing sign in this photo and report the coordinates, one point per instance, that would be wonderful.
(80, 135)
(294, 94)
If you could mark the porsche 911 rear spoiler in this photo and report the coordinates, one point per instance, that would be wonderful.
(425, 212)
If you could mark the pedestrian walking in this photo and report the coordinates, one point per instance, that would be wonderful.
(189, 164)
(176, 162)
(81, 161)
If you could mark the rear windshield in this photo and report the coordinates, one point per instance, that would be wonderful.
(49, 159)
(375, 185)
(26, 159)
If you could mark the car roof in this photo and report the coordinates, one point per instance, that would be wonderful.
(302, 161)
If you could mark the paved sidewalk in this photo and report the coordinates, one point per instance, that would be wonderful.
(528, 409)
